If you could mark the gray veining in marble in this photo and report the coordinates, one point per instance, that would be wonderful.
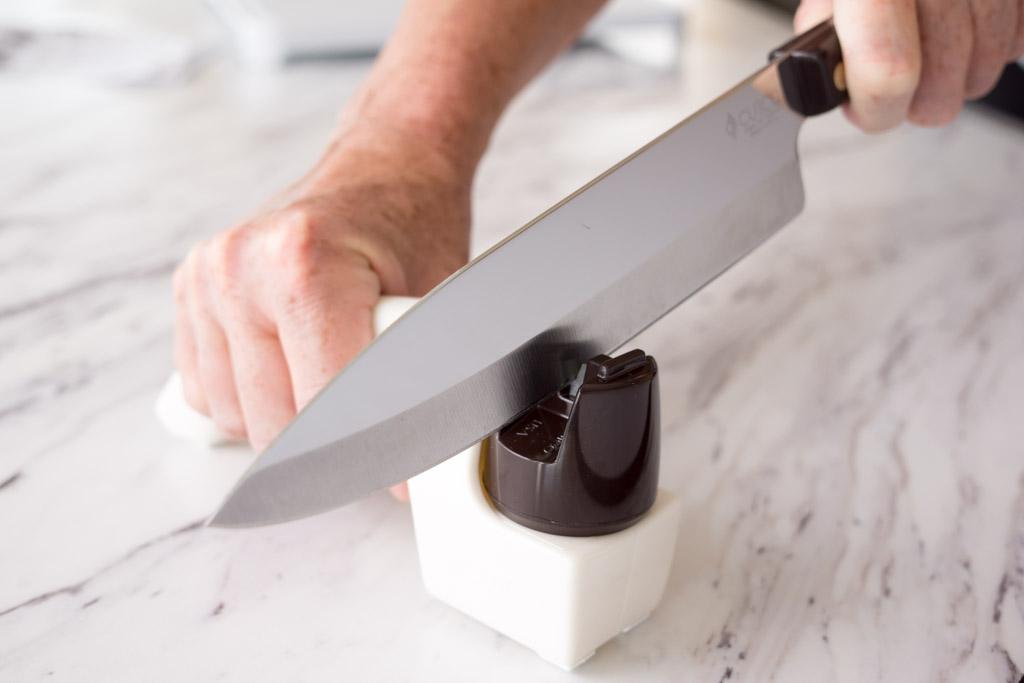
(843, 411)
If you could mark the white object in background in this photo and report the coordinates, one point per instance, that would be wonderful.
(101, 41)
(561, 596)
(268, 33)
(183, 421)
(271, 32)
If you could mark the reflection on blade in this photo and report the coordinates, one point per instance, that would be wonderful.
(515, 324)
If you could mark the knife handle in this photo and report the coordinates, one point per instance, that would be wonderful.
(810, 68)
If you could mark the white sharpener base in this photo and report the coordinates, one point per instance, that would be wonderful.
(562, 597)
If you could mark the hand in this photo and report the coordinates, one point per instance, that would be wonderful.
(268, 311)
(919, 61)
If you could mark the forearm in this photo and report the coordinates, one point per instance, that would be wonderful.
(452, 66)
(414, 132)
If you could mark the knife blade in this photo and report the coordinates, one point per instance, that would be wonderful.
(581, 279)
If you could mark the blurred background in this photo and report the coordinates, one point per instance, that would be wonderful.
(147, 42)
(120, 42)
(864, 365)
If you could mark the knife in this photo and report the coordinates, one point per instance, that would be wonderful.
(581, 279)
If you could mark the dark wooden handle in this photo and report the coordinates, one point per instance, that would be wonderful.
(811, 70)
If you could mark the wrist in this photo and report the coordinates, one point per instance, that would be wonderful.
(393, 154)
(417, 143)
(449, 143)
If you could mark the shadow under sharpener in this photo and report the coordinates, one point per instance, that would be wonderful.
(553, 531)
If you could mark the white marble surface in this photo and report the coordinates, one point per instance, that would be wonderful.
(842, 411)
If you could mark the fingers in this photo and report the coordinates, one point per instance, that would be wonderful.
(185, 344)
(232, 366)
(947, 41)
(882, 56)
(213, 360)
(252, 349)
(919, 60)
(995, 29)
(261, 377)
(319, 341)
(323, 307)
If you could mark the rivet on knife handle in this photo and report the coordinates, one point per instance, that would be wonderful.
(811, 71)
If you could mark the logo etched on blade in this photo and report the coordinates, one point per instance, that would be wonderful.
(753, 119)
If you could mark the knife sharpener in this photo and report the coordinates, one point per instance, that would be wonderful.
(584, 461)
(553, 531)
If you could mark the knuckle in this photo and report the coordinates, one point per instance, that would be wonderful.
(224, 261)
(890, 77)
(223, 253)
(882, 85)
(296, 247)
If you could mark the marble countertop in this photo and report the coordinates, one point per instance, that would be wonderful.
(842, 411)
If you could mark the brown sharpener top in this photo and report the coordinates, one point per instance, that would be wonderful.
(584, 460)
